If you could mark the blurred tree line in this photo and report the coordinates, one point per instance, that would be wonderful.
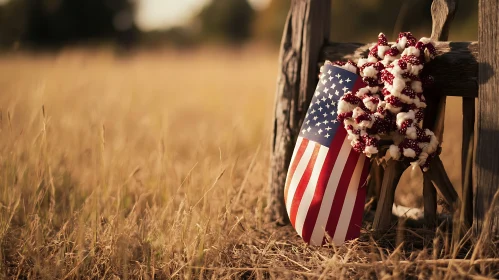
(59, 22)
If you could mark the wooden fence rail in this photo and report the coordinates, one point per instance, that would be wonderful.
(455, 69)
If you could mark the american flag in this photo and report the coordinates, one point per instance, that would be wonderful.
(323, 191)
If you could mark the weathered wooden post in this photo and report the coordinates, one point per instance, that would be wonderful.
(306, 31)
(486, 212)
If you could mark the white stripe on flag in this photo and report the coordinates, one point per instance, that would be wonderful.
(351, 196)
(308, 195)
(327, 201)
(297, 147)
(300, 169)
(295, 152)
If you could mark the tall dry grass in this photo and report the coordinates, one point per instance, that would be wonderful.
(155, 166)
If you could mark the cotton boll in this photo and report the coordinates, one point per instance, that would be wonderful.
(350, 67)
(382, 50)
(370, 150)
(422, 158)
(418, 102)
(432, 147)
(379, 115)
(370, 104)
(345, 107)
(398, 84)
(349, 121)
(406, 99)
(370, 71)
(353, 137)
(394, 152)
(402, 43)
(388, 59)
(411, 51)
(394, 93)
(372, 59)
(362, 92)
(366, 124)
(417, 86)
(411, 132)
(353, 143)
(373, 90)
(397, 71)
(410, 153)
(393, 109)
(357, 112)
(402, 117)
(389, 88)
(415, 69)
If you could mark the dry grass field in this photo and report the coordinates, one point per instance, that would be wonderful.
(154, 166)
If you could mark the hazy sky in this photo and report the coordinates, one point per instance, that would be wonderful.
(155, 14)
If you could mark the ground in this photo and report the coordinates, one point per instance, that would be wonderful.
(155, 165)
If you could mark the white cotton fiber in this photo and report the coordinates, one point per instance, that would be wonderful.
(394, 152)
(370, 71)
(402, 42)
(417, 86)
(410, 153)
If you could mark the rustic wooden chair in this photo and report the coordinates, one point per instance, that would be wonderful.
(459, 70)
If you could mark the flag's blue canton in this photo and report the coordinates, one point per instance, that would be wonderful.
(320, 124)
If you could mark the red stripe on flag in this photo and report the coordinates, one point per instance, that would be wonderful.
(315, 205)
(300, 189)
(341, 192)
(358, 210)
(294, 164)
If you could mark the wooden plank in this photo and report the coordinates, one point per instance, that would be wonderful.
(442, 182)
(429, 202)
(455, 68)
(391, 177)
(305, 32)
(467, 157)
(375, 181)
(487, 161)
(442, 14)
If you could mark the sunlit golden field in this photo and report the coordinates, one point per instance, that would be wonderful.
(155, 166)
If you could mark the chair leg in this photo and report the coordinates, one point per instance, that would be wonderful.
(439, 177)
(375, 180)
(391, 177)
(430, 202)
